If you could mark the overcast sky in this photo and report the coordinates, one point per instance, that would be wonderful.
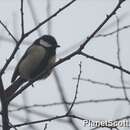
(71, 27)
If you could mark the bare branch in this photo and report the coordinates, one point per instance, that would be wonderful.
(10, 34)
(105, 62)
(45, 128)
(101, 83)
(12, 41)
(119, 60)
(50, 119)
(63, 98)
(22, 18)
(113, 32)
(34, 16)
(69, 103)
(11, 56)
(4, 107)
(55, 14)
(76, 92)
(12, 126)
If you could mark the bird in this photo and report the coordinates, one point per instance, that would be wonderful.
(38, 58)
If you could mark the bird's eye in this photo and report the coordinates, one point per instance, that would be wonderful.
(45, 44)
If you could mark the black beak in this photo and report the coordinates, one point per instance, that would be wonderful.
(58, 46)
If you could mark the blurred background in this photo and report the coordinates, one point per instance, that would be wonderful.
(100, 94)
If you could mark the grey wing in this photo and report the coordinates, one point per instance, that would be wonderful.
(16, 71)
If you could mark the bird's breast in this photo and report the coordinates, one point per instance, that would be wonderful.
(31, 62)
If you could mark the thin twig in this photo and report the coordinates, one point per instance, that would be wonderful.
(76, 92)
(119, 60)
(105, 62)
(3, 38)
(45, 127)
(68, 103)
(73, 46)
(101, 83)
(55, 14)
(34, 16)
(49, 119)
(64, 99)
(38, 114)
(11, 56)
(10, 34)
(12, 126)
(40, 121)
(113, 32)
(22, 19)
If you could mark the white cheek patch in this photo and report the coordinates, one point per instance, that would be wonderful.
(44, 43)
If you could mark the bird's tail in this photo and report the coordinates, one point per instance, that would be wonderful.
(14, 87)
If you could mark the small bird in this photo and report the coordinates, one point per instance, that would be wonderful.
(37, 59)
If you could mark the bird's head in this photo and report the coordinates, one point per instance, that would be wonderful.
(47, 41)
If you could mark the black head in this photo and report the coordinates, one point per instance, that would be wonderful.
(50, 40)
